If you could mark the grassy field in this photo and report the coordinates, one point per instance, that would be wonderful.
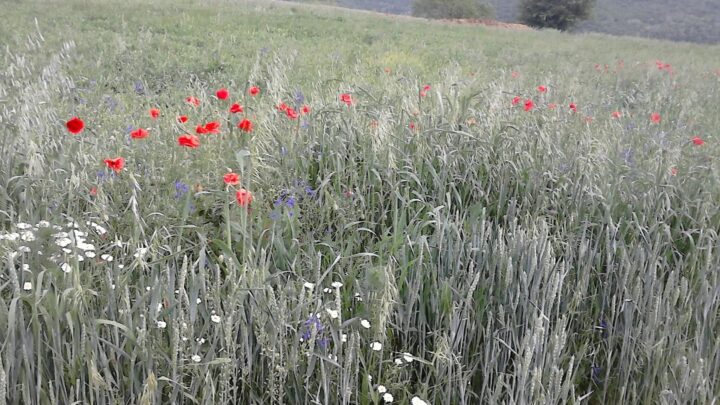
(415, 219)
(688, 20)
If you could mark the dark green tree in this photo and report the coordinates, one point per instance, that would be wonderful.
(559, 14)
(451, 9)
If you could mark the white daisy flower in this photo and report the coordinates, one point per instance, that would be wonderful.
(198, 301)
(23, 225)
(43, 224)
(61, 235)
(24, 249)
(80, 259)
(90, 254)
(66, 267)
(399, 362)
(376, 346)
(336, 284)
(106, 257)
(26, 267)
(27, 236)
(13, 236)
(215, 318)
(112, 286)
(85, 246)
(343, 338)
(417, 401)
(27, 286)
(147, 288)
(161, 324)
(309, 286)
(365, 323)
(387, 397)
(327, 290)
(196, 358)
(408, 357)
(381, 389)
(334, 314)
(63, 242)
(140, 252)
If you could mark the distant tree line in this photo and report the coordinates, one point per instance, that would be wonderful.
(559, 14)
(452, 9)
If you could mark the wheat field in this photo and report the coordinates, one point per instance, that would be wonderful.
(211, 202)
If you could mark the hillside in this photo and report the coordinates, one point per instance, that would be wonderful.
(261, 202)
(688, 20)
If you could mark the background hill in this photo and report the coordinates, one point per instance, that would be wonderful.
(689, 20)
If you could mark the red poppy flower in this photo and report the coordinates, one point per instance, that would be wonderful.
(154, 113)
(254, 91)
(245, 125)
(424, 90)
(573, 107)
(192, 101)
(529, 105)
(139, 134)
(698, 141)
(655, 118)
(291, 113)
(231, 179)
(616, 114)
(236, 108)
(516, 100)
(212, 127)
(75, 125)
(673, 171)
(542, 89)
(412, 126)
(93, 191)
(222, 94)
(190, 141)
(182, 119)
(282, 106)
(346, 98)
(552, 106)
(116, 164)
(305, 109)
(200, 130)
(243, 197)
(515, 75)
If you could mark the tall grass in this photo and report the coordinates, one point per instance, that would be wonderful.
(487, 255)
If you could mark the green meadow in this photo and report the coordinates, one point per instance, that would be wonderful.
(422, 213)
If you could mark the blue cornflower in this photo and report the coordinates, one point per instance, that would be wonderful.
(313, 322)
(181, 189)
(299, 97)
(290, 202)
(139, 88)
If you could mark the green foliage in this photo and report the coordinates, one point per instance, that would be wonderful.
(451, 9)
(559, 14)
